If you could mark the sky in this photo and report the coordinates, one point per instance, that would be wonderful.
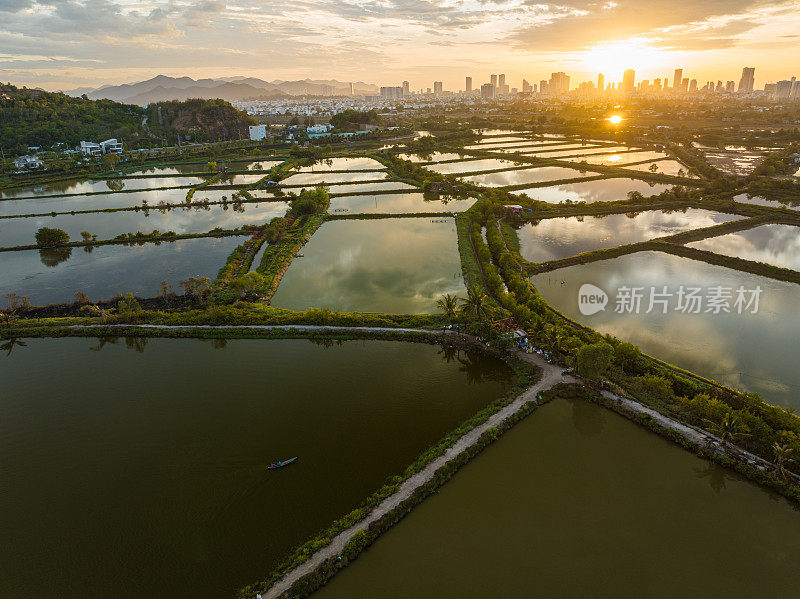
(66, 44)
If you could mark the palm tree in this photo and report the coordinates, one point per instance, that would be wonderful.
(781, 457)
(448, 304)
(728, 430)
(475, 307)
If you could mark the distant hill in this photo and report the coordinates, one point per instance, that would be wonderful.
(31, 117)
(162, 88)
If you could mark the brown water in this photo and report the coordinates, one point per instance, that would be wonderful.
(138, 468)
(578, 502)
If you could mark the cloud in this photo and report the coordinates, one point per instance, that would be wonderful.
(594, 22)
(14, 5)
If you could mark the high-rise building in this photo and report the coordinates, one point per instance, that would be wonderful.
(693, 85)
(352, 90)
(406, 88)
(601, 82)
(558, 84)
(501, 80)
(468, 85)
(628, 80)
(493, 80)
(677, 80)
(487, 90)
(685, 84)
(391, 92)
(783, 89)
(730, 87)
(437, 88)
(542, 86)
(526, 87)
(747, 81)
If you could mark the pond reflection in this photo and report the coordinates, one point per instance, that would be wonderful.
(599, 190)
(387, 265)
(554, 238)
(778, 245)
(745, 351)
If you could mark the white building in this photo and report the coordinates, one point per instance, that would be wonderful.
(318, 128)
(109, 146)
(258, 132)
(27, 162)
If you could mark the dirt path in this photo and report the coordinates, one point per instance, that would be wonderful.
(551, 375)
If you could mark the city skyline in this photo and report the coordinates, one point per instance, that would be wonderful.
(93, 42)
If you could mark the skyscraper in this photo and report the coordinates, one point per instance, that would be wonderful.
(468, 85)
(693, 85)
(487, 90)
(783, 89)
(391, 92)
(730, 87)
(406, 88)
(747, 81)
(559, 83)
(526, 87)
(628, 81)
(493, 80)
(677, 80)
(601, 82)
(501, 81)
(437, 88)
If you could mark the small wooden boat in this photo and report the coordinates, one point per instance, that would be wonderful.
(281, 464)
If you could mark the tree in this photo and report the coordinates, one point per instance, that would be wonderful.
(781, 452)
(128, 305)
(635, 196)
(47, 237)
(628, 356)
(110, 161)
(246, 285)
(448, 305)
(593, 360)
(475, 307)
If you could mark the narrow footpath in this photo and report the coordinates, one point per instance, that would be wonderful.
(551, 375)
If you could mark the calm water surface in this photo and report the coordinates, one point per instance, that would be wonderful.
(142, 473)
(395, 203)
(778, 245)
(577, 502)
(95, 202)
(109, 185)
(599, 190)
(523, 176)
(54, 276)
(762, 201)
(484, 164)
(554, 238)
(21, 231)
(756, 352)
(316, 178)
(665, 167)
(387, 265)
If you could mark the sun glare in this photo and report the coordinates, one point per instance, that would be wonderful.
(614, 120)
(613, 58)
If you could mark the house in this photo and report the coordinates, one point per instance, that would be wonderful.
(27, 162)
(513, 208)
(109, 146)
(318, 128)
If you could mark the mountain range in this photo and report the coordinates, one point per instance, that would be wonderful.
(162, 87)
